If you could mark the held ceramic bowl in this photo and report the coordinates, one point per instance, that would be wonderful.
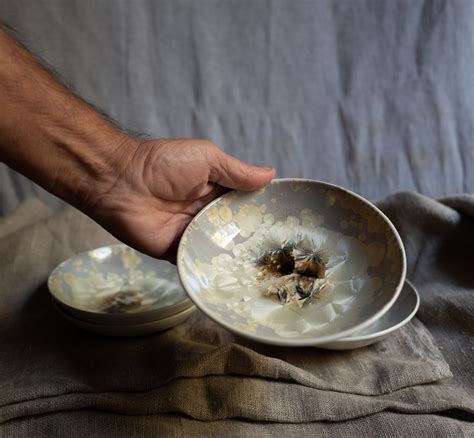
(220, 261)
(116, 285)
(398, 315)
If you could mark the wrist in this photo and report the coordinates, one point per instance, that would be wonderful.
(97, 168)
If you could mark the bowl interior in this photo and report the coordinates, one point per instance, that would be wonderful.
(398, 315)
(221, 250)
(116, 280)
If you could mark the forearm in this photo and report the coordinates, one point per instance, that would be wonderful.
(50, 135)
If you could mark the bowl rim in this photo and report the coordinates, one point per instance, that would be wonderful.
(412, 290)
(126, 330)
(115, 318)
(293, 342)
(64, 313)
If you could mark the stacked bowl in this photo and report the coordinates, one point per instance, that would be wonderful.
(115, 290)
(298, 263)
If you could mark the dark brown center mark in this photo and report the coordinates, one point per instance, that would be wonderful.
(124, 301)
(293, 274)
(279, 261)
(309, 263)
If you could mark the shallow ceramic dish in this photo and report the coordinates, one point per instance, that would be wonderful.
(219, 253)
(129, 330)
(117, 285)
(398, 315)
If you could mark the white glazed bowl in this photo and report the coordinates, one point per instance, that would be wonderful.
(129, 330)
(86, 287)
(218, 252)
(398, 315)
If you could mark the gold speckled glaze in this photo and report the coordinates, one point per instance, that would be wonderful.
(117, 284)
(216, 260)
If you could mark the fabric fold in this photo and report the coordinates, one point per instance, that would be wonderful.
(198, 369)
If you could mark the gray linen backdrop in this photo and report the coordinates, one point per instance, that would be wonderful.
(377, 96)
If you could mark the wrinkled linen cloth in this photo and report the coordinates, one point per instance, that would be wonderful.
(199, 379)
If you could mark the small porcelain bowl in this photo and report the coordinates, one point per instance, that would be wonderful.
(398, 315)
(116, 285)
(220, 262)
(129, 330)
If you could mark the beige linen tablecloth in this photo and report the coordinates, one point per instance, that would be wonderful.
(198, 379)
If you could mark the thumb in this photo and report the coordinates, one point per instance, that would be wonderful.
(230, 172)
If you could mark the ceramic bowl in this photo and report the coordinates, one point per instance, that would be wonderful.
(129, 330)
(220, 253)
(117, 285)
(397, 316)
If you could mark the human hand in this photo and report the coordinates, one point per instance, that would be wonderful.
(158, 187)
(143, 192)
